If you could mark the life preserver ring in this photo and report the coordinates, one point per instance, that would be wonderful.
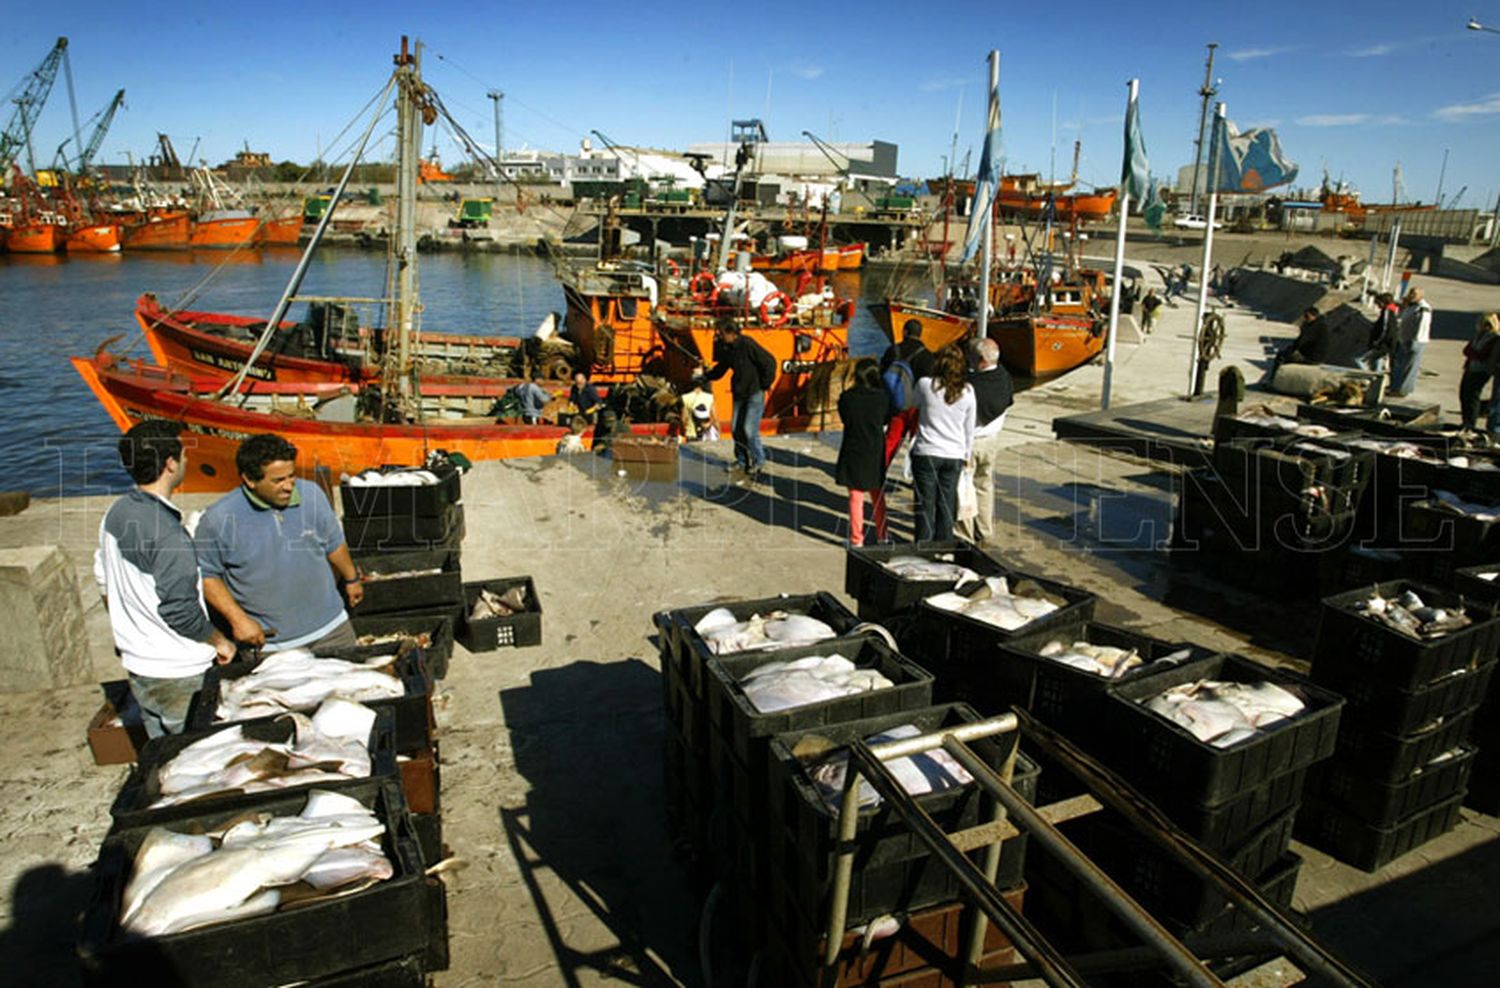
(673, 269)
(704, 287)
(781, 317)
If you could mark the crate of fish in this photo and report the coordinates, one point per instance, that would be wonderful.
(1350, 567)
(1063, 676)
(1292, 465)
(1374, 705)
(1393, 421)
(888, 579)
(1231, 823)
(1209, 730)
(891, 864)
(342, 744)
(751, 697)
(1469, 529)
(1402, 634)
(430, 631)
(1384, 804)
(403, 532)
(764, 625)
(1212, 513)
(392, 490)
(1263, 422)
(502, 613)
(222, 899)
(1369, 847)
(297, 680)
(409, 581)
(1478, 584)
(1380, 755)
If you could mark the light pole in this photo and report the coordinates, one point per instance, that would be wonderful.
(1476, 26)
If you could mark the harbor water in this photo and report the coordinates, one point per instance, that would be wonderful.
(59, 441)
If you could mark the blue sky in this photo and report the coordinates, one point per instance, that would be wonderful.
(1355, 88)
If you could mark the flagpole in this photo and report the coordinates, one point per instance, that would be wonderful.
(982, 330)
(1114, 292)
(1208, 246)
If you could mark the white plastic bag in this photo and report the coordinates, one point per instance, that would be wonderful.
(968, 497)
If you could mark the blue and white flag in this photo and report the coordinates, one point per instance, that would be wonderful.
(987, 182)
(1249, 162)
(1135, 172)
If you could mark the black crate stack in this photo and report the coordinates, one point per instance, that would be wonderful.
(1402, 764)
(1479, 586)
(407, 542)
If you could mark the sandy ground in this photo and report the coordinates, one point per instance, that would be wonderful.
(551, 755)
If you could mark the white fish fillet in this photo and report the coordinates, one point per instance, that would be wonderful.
(160, 851)
(343, 865)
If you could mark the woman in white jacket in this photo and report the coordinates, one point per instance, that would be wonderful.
(945, 440)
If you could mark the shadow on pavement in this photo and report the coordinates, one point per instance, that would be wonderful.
(588, 739)
(46, 903)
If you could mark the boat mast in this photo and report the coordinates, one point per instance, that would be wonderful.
(411, 105)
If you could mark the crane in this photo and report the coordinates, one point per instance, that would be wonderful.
(615, 149)
(29, 96)
(100, 122)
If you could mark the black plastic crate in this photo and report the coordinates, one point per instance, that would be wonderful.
(1351, 645)
(403, 972)
(748, 731)
(1230, 824)
(1293, 464)
(1484, 783)
(1165, 757)
(1394, 757)
(412, 712)
(436, 625)
(1470, 583)
(292, 945)
(810, 827)
(513, 630)
(1278, 884)
(1374, 705)
(401, 533)
(1470, 539)
(426, 501)
(1353, 566)
(1389, 421)
(693, 651)
(132, 805)
(1064, 697)
(1384, 804)
(428, 591)
(1396, 482)
(1213, 512)
(881, 593)
(1367, 846)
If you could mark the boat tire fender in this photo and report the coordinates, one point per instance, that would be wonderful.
(781, 316)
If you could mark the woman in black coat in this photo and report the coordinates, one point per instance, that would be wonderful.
(864, 409)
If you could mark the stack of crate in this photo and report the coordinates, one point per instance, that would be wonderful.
(407, 543)
(1270, 509)
(1403, 761)
(1479, 586)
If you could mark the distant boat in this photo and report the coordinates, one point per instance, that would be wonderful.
(224, 228)
(163, 230)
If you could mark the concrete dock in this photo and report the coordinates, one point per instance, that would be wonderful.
(552, 784)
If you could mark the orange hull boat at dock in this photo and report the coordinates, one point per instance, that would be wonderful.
(35, 238)
(168, 231)
(238, 231)
(102, 238)
(283, 232)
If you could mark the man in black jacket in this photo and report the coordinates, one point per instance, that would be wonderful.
(994, 392)
(754, 370)
(912, 352)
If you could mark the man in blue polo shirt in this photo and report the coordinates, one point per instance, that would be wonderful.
(271, 551)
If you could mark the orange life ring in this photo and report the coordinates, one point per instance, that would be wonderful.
(673, 270)
(782, 316)
(704, 287)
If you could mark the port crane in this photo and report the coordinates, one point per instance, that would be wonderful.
(29, 96)
(100, 123)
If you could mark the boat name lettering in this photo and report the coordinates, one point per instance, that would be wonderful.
(798, 366)
(229, 363)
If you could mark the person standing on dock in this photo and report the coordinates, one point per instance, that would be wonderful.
(271, 551)
(908, 362)
(754, 372)
(864, 410)
(944, 443)
(1481, 358)
(1382, 333)
(1413, 329)
(148, 575)
(994, 393)
(1149, 305)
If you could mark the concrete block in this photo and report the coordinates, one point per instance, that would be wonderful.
(13, 502)
(46, 646)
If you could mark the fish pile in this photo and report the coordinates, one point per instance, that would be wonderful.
(296, 680)
(1448, 501)
(994, 602)
(1225, 714)
(183, 881)
(329, 746)
(928, 772)
(1411, 615)
(811, 679)
(942, 569)
(372, 577)
(1269, 420)
(492, 605)
(421, 639)
(1463, 462)
(725, 634)
(1397, 448)
(1101, 660)
(393, 478)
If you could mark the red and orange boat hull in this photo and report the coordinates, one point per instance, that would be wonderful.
(102, 238)
(283, 232)
(35, 238)
(168, 231)
(222, 233)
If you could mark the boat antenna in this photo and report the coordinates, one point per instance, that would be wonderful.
(302, 263)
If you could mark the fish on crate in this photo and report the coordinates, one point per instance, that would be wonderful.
(993, 601)
(252, 866)
(492, 605)
(725, 634)
(1408, 614)
(296, 680)
(330, 746)
(942, 568)
(393, 478)
(811, 679)
(421, 639)
(1102, 660)
(372, 576)
(1225, 714)
(920, 774)
(1448, 501)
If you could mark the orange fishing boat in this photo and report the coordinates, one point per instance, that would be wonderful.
(162, 231)
(224, 228)
(103, 238)
(283, 232)
(35, 238)
(852, 256)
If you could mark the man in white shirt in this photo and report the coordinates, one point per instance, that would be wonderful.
(1413, 329)
(148, 573)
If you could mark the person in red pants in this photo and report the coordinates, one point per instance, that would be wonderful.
(864, 410)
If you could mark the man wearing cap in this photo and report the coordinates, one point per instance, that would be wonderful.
(914, 353)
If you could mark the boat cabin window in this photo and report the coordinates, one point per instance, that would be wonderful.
(625, 308)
